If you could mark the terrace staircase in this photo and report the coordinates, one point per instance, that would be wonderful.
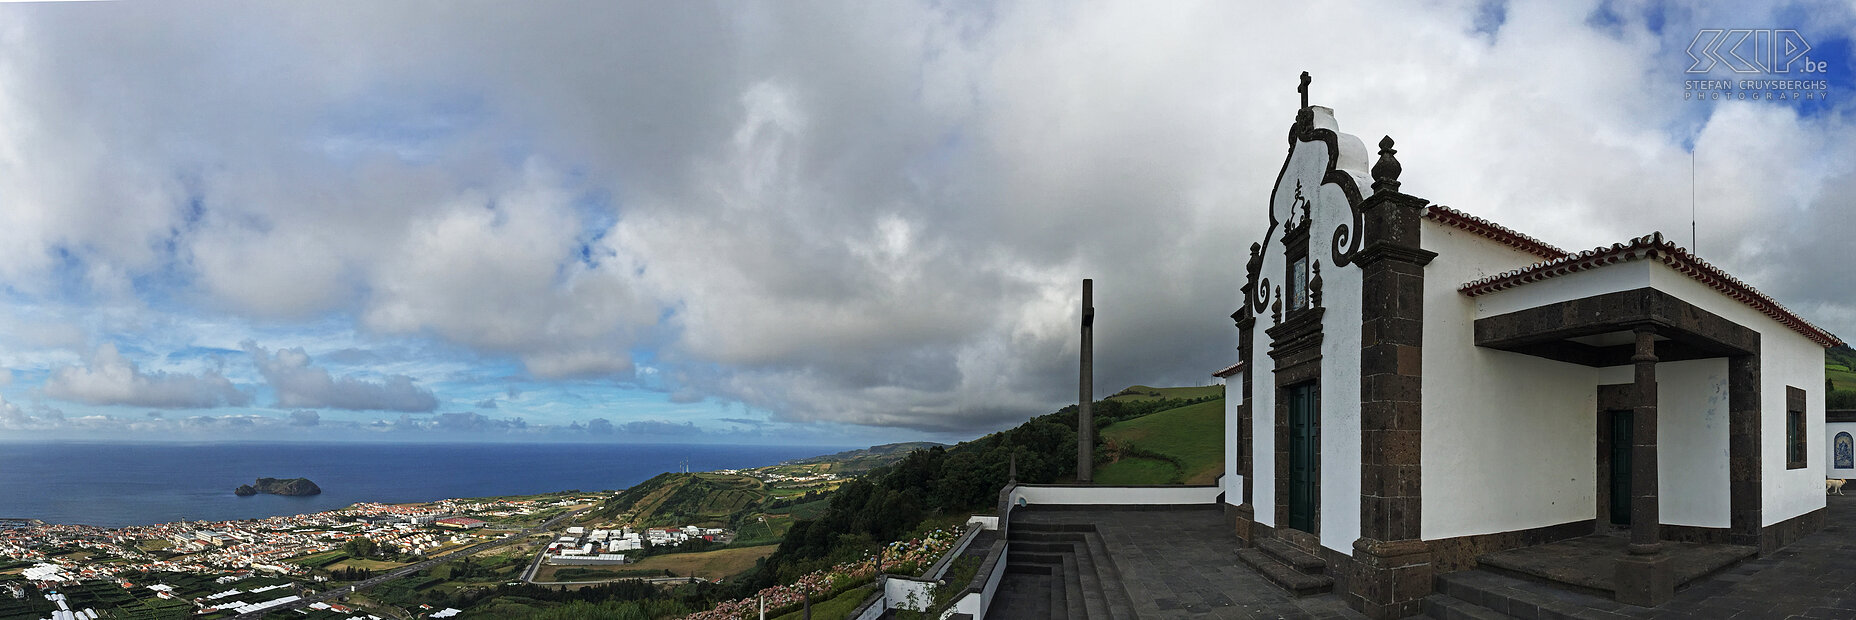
(1059, 571)
(1288, 565)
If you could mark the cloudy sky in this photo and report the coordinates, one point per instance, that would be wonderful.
(824, 222)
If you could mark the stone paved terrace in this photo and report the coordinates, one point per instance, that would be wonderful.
(1183, 564)
(1178, 563)
(1812, 578)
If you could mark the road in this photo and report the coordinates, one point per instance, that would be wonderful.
(411, 568)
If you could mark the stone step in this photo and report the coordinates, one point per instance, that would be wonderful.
(1021, 594)
(1017, 527)
(1293, 556)
(1516, 597)
(1446, 607)
(1296, 582)
(1067, 546)
(1095, 603)
(1018, 537)
(1072, 587)
(1020, 557)
(1022, 568)
(1059, 596)
(1120, 605)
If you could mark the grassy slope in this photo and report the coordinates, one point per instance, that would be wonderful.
(1140, 393)
(678, 499)
(836, 608)
(1192, 435)
(708, 564)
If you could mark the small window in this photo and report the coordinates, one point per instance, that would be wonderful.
(1298, 284)
(1794, 428)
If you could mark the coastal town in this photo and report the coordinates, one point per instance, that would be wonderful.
(241, 568)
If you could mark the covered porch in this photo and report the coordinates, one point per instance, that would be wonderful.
(1638, 329)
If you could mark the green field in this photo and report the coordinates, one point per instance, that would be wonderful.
(1183, 445)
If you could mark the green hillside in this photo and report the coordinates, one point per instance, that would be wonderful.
(1142, 393)
(680, 499)
(1182, 445)
(857, 462)
(1840, 376)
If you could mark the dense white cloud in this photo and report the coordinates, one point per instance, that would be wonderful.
(109, 378)
(867, 213)
(300, 384)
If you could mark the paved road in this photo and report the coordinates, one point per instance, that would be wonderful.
(411, 568)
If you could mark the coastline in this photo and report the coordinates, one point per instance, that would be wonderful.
(128, 484)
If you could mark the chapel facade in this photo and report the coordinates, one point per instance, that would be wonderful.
(1418, 386)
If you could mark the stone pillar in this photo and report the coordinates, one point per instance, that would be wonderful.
(1645, 512)
(1085, 402)
(1646, 576)
(1246, 511)
(1393, 562)
(1744, 487)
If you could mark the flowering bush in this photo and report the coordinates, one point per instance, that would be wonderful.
(821, 584)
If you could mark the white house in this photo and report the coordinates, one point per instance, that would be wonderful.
(1418, 386)
(1840, 436)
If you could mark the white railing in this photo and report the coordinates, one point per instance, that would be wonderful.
(1092, 495)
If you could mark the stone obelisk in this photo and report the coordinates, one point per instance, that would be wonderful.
(1085, 400)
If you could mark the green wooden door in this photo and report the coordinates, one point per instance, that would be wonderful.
(1304, 455)
(1622, 425)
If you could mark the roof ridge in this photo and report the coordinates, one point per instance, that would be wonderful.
(1653, 246)
(1491, 230)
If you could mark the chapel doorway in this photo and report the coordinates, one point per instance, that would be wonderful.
(1621, 434)
(1304, 456)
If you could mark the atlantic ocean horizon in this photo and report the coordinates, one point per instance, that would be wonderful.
(121, 484)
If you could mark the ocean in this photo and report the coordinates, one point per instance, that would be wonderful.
(119, 484)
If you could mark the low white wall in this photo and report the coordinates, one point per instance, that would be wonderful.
(874, 611)
(1032, 495)
(907, 593)
(1830, 437)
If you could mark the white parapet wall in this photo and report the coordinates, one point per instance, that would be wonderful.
(1060, 495)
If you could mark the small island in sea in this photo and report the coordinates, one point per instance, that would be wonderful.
(276, 486)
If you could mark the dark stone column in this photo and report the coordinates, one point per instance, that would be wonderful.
(1246, 511)
(1743, 436)
(1645, 577)
(1394, 564)
(1085, 403)
(1645, 512)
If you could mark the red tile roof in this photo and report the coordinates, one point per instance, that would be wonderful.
(1492, 230)
(1229, 370)
(1654, 247)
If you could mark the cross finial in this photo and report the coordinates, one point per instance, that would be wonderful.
(1304, 89)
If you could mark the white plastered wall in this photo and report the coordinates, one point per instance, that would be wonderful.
(1233, 482)
(1786, 358)
(1340, 380)
(1508, 439)
(1691, 439)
